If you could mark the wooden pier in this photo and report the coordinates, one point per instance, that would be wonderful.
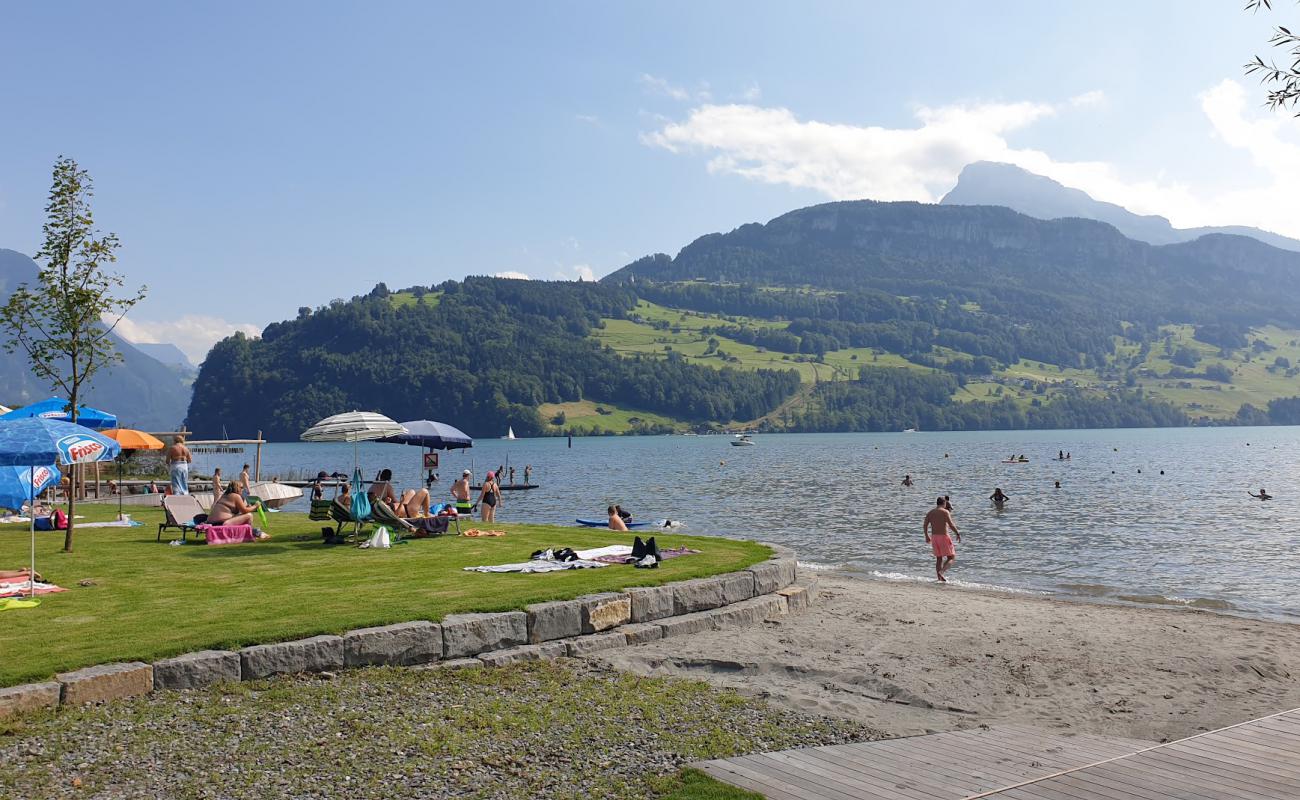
(1256, 760)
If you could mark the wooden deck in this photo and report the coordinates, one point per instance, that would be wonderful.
(1256, 760)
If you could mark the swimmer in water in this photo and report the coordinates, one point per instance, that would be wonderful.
(907, 480)
(999, 499)
(1263, 495)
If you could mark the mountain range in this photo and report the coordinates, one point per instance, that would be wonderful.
(988, 183)
(142, 391)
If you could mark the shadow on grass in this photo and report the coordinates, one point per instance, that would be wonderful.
(235, 551)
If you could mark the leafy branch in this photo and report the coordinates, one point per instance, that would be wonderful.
(1283, 82)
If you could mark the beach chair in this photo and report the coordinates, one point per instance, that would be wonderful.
(180, 511)
(418, 527)
(343, 516)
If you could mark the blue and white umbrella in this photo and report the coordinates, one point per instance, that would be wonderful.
(56, 408)
(36, 442)
(20, 485)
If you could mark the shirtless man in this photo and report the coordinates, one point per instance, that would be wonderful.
(937, 524)
(460, 493)
(907, 480)
(178, 461)
(1263, 495)
(245, 487)
(616, 522)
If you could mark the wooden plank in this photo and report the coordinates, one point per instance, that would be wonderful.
(809, 785)
(1230, 772)
(772, 788)
(884, 777)
(854, 783)
(1147, 774)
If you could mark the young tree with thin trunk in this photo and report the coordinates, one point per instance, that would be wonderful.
(58, 320)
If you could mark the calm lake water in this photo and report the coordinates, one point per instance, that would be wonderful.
(1117, 530)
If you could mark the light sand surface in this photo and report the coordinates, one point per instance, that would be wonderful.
(911, 658)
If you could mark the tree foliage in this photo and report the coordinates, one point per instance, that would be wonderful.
(1283, 82)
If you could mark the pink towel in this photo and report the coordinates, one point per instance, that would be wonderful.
(227, 534)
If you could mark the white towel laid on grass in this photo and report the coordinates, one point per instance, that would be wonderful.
(539, 565)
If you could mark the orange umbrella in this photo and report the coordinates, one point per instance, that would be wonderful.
(131, 439)
(134, 440)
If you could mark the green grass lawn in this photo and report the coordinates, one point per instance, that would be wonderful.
(148, 600)
(583, 413)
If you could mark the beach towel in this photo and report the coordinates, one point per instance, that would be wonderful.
(17, 588)
(227, 534)
(666, 553)
(121, 523)
(535, 566)
(13, 603)
(475, 532)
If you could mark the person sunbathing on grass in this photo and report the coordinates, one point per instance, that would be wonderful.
(412, 503)
(232, 508)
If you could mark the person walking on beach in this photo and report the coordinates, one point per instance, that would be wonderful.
(245, 488)
(937, 524)
(218, 488)
(178, 462)
(489, 499)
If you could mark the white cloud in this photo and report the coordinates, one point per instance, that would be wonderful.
(661, 86)
(921, 163)
(194, 334)
(584, 272)
(590, 119)
(513, 275)
(751, 93)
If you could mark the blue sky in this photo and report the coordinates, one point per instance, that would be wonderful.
(255, 158)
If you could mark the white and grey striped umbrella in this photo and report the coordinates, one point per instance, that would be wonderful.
(352, 426)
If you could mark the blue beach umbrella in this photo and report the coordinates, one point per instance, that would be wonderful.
(430, 434)
(56, 408)
(35, 442)
(20, 485)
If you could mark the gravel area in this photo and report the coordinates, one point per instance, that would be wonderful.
(546, 730)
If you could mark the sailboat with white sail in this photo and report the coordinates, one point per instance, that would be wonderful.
(510, 433)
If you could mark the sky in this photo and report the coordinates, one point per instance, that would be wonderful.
(255, 158)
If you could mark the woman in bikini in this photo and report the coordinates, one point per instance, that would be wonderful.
(489, 498)
(413, 503)
(231, 509)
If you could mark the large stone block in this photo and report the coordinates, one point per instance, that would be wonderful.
(403, 644)
(471, 634)
(749, 612)
(773, 574)
(700, 594)
(780, 551)
(642, 632)
(736, 586)
(650, 603)
(810, 581)
(583, 645)
(600, 612)
(796, 598)
(317, 654)
(686, 623)
(526, 652)
(195, 670)
(105, 682)
(559, 619)
(16, 700)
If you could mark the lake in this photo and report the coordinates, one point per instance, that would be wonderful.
(1151, 516)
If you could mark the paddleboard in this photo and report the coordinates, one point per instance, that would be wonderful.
(592, 523)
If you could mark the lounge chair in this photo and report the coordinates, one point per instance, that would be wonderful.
(417, 527)
(342, 514)
(180, 510)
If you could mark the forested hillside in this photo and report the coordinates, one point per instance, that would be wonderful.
(845, 316)
(482, 354)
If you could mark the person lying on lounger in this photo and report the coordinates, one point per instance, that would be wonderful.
(232, 508)
(411, 504)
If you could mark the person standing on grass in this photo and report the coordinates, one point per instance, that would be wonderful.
(178, 462)
(460, 493)
(489, 499)
(218, 488)
(245, 488)
(937, 524)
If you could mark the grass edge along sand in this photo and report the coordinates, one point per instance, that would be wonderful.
(143, 600)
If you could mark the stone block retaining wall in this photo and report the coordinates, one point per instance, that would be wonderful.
(541, 631)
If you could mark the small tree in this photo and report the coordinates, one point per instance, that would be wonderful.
(57, 321)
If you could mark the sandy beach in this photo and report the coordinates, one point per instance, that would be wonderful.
(914, 658)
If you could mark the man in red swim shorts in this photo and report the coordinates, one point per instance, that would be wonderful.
(937, 524)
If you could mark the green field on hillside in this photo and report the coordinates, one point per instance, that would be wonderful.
(587, 415)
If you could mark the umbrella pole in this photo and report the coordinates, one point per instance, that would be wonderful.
(31, 516)
(119, 490)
